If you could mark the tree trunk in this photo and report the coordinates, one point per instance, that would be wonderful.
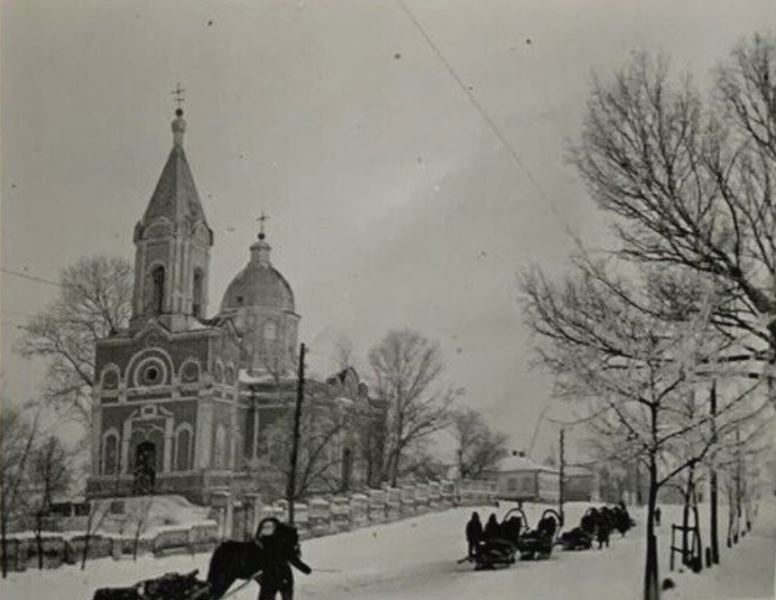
(713, 511)
(651, 587)
(714, 485)
(688, 493)
(698, 556)
(89, 522)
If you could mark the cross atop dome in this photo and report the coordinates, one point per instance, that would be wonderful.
(263, 218)
(178, 94)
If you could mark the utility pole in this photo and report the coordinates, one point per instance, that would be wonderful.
(713, 484)
(291, 490)
(562, 469)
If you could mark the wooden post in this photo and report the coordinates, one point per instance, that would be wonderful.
(291, 490)
(562, 469)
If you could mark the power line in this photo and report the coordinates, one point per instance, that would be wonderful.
(481, 110)
(31, 277)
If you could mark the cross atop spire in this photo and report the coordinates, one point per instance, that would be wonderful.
(178, 94)
(262, 219)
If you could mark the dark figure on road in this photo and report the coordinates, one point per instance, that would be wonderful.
(474, 533)
(492, 528)
(280, 545)
(604, 527)
(511, 529)
(657, 516)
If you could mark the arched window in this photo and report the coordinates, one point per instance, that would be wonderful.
(270, 331)
(183, 448)
(157, 282)
(110, 453)
(196, 307)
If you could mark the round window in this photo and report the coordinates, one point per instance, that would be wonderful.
(151, 375)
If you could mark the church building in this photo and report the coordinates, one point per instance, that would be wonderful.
(186, 403)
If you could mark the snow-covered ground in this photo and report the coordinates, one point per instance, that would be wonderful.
(416, 559)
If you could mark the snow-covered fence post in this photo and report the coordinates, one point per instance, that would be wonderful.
(421, 498)
(377, 506)
(302, 519)
(221, 502)
(359, 507)
(340, 514)
(319, 517)
(253, 509)
(447, 493)
(393, 504)
(407, 500)
(434, 495)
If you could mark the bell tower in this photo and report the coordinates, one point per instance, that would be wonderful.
(172, 245)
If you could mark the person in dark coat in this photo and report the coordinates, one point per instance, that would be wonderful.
(604, 527)
(511, 529)
(280, 546)
(492, 528)
(474, 533)
(657, 516)
(233, 560)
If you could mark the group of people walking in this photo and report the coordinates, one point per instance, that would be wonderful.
(508, 530)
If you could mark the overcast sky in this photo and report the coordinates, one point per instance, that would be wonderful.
(392, 203)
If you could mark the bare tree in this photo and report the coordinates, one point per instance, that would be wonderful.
(344, 352)
(49, 475)
(479, 448)
(323, 426)
(94, 301)
(634, 359)
(17, 443)
(406, 367)
(140, 513)
(99, 509)
(690, 183)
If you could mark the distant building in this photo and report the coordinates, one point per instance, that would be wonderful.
(521, 479)
(578, 484)
(183, 401)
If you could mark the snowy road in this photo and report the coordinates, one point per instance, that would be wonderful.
(416, 559)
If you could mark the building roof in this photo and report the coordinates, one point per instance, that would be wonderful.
(577, 472)
(521, 463)
(259, 284)
(175, 197)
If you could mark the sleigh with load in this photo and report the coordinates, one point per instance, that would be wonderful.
(171, 586)
(516, 538)
(538, 542)
(582, 536)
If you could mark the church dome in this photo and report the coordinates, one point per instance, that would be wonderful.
(259, 284)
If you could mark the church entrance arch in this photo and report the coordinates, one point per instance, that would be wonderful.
(145, 468)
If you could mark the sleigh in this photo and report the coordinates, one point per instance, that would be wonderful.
(171, 586)
(581, 537)
(501, 551)
(538, 543)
